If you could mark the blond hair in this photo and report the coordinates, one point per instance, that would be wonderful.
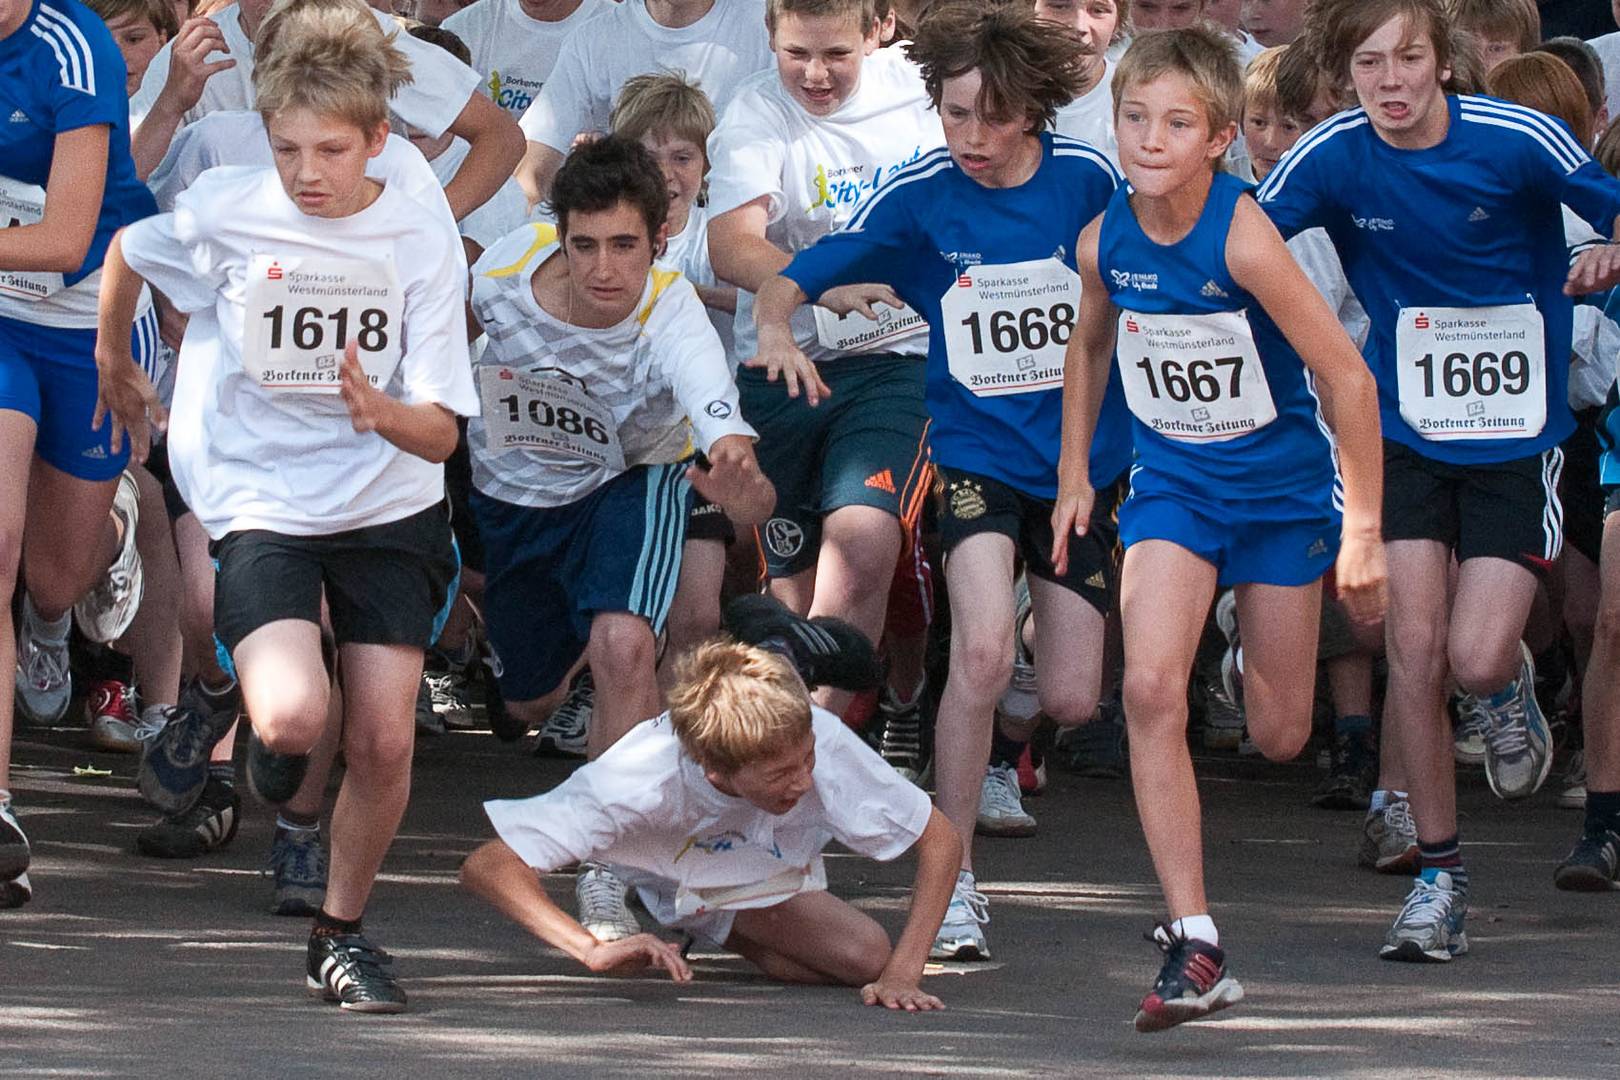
(863, 12)
(1206, 57)
(1260, 79)
(666, 103)
(328, 56)
(734, 703)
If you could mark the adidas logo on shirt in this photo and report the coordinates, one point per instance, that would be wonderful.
(19, 117)
(95, 453)
(1212, 291)
(1478, 215)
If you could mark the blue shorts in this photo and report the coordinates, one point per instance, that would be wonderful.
(48, 373)
(549, 570)
(1287, 539)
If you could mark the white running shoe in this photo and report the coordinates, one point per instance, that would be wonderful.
(603, 910)
(14, 852)
(567, 731)
(1468, 738)
(1001, 810)
(1573, 797)
(961, 935)
(105, 612)
(44, 686)
(1518, 743)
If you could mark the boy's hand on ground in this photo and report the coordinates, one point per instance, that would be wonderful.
(635, 953)
(899, 994)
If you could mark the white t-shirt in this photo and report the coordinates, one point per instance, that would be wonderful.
(721, 49)
(506, 209)
(439, 88)
(815, 170)
(245, 457)
(688, 253)
(1608, 50)
(1091, 116)
(1317, 256)
(511, 52)
(659, 379)
(696, 855)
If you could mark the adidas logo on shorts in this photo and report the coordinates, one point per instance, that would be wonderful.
(1096, 581)
(19, 117)
(1213, 291)
(95, 453)
(1479, 214)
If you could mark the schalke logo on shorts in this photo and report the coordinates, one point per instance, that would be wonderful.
(783, 537)
(967, 501)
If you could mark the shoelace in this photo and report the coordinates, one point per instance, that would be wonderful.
(574, 714)
(902, 730)
(153, 721)
(1001, 790)
(301, 858)
(121, 706)
(44, 666)
(1398, 818)
(1507, 729)
(1426, 904)
(448, 689)
(601, 890)
(970, 903)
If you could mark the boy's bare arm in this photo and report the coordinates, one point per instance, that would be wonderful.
(939, 858)
(496, 873)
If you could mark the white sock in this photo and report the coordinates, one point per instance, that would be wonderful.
(1201, 927)
(293, 826)
(42, 630)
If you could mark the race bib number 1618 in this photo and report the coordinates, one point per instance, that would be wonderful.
(302, 312)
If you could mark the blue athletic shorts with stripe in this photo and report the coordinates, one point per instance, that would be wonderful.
(1290, 538)
(549, 570)
(49, 374)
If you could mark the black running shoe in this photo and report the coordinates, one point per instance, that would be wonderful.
(15, 891)
(348, 969)
(174, 760)
(1096, 749)
(826, 651)
(1193, 982)
(1352, 776)
(274, 777)
(1593, 865)
(207, 826)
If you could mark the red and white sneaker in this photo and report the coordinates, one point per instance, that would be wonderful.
(1032, 770)
(114, 716)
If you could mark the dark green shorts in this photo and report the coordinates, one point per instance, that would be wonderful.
(866, 445)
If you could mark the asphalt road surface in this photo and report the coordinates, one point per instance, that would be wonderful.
(127, 966)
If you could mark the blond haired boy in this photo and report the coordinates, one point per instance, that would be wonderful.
(717, 813)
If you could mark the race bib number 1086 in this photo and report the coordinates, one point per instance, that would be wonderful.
(302, 312)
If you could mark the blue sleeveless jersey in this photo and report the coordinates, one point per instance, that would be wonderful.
(1292, 454)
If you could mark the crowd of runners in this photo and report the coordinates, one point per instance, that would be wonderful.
(793, 408)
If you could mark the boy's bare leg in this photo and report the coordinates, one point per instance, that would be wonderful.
(1280, 626)
(1165, 595)
(695, 613)
(812, 938)
(622, 653)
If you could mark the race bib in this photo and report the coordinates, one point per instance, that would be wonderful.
(1194, 378)
(24, 204)
(524, 411)
(303, 311)
(1006, 326)
(1472, 373)
(855, 333)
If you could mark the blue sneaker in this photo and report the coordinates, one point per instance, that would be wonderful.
(1429, 929)
(174, 760)
(297, 868)
(1518, 743)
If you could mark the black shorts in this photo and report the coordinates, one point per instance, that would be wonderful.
(1578, 487)
(1506, 510)
(969, 504)
(457, 487)
(707, 521)
(384, 584)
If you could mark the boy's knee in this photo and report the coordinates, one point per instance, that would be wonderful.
(983, 664)
(1280, 742)
(382, 751)
(621, 646)
(1154, 698)
(293, 722)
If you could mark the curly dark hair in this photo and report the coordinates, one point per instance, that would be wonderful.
(600, 174)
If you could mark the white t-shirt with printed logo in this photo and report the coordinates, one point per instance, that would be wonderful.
(489, 221)
(245, 457)
(696, 855)
(815, 170)
(513, 53)
(720, 50)
(439, 88)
